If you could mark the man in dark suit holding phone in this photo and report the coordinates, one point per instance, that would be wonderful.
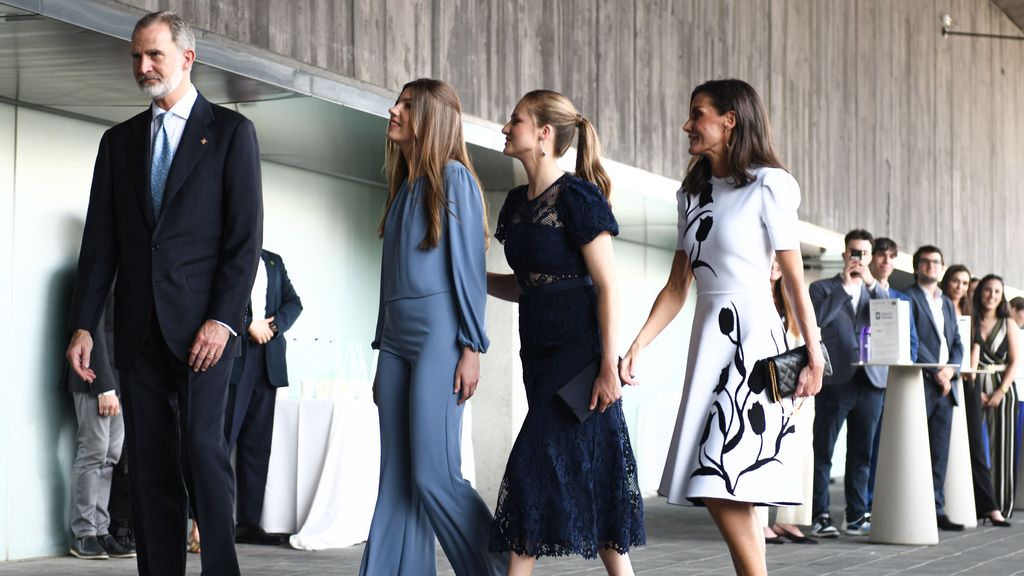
(176, 213)
(852, 394)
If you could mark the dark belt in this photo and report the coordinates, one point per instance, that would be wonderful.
(560, 286)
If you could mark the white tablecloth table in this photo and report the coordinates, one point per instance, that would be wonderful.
(904, 507)
(324, 471)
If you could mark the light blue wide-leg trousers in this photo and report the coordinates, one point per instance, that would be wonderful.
(422, 492)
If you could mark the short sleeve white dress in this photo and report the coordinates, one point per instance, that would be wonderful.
(729, 441)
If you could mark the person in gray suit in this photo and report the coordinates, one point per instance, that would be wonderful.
(938, 343)
(98, 442)
(853, 394)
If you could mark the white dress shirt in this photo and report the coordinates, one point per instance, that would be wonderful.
(175, 121)
(935, 299)
(259, 292)
(854, 292)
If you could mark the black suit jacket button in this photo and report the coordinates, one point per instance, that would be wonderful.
(156, 247)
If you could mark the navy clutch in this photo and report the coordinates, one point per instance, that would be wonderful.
(576, 392)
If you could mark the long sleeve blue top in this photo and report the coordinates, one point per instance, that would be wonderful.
(457, 264)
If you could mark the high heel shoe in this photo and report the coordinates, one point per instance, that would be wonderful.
(994, 522)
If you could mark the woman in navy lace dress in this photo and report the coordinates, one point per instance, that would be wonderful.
(569, 487)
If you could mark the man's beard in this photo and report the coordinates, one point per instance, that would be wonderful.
(162, 87)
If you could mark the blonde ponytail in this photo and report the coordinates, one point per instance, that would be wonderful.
(588, 158)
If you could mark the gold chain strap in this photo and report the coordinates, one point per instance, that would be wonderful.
(775, 382)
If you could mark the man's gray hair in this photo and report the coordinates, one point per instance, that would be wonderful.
(181, 31)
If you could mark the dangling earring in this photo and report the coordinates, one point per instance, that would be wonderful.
(728, 139)
(543, 152)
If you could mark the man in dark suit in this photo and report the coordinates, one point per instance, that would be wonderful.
(852, 394)
(259, 371)
(176, 212)
(938, 343)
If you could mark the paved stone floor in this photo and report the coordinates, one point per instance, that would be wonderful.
(681, 541)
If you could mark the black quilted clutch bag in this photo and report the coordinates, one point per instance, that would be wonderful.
(780, 373)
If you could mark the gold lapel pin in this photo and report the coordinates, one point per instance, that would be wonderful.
(203, 141)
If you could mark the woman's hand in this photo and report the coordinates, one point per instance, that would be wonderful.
(607, 390)
(994, 400)
(467, 374)
(809, 381)
(628, 365)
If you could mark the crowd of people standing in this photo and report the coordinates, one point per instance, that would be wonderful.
(187, 256)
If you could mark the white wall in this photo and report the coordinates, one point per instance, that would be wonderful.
(7, 145)
(53, 168)
(323, 227)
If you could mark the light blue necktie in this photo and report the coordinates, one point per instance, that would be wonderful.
(161, 164)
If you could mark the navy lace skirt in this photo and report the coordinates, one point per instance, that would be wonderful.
(569, 488)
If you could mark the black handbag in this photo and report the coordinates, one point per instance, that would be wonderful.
(779, 374)
(576, 393)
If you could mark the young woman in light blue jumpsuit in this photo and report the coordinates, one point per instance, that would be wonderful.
(430, 331)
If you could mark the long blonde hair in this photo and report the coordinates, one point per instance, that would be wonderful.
(548, 107)
(437, 138)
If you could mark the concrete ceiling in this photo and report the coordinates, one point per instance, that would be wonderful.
(303, 120)
(1014, 9)
(66, 69)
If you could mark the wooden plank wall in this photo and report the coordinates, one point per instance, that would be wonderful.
(886, 124)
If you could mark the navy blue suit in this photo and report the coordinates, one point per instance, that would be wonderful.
(259, 371)
(194, 263)
(852, 395)
(939, 407)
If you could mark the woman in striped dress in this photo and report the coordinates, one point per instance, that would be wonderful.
(994, 347)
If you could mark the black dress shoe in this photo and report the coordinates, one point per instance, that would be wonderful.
(251, 534)
(946, 524)
(88, 548)
(114, 548)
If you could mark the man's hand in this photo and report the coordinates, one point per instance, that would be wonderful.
(260, 331)
(109, 405)
(374, 389)
(943, 378)
(855, 271)
(78, 354)
(208, 346)
(467, 374)
(865, 275)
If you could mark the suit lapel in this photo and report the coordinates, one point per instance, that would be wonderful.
(139, 160)
(190, 149)
(922, 299)
(848, 301)
(864, 302)
(271, 266)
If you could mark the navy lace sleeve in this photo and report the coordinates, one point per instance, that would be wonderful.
(500, 232)
(586, 212)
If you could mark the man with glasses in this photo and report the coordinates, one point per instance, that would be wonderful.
(938, 343)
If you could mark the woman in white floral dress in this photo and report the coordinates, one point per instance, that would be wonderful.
(732, 448)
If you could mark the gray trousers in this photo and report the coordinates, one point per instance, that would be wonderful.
(98, 447)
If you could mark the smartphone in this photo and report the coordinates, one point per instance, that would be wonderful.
(857, 255)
